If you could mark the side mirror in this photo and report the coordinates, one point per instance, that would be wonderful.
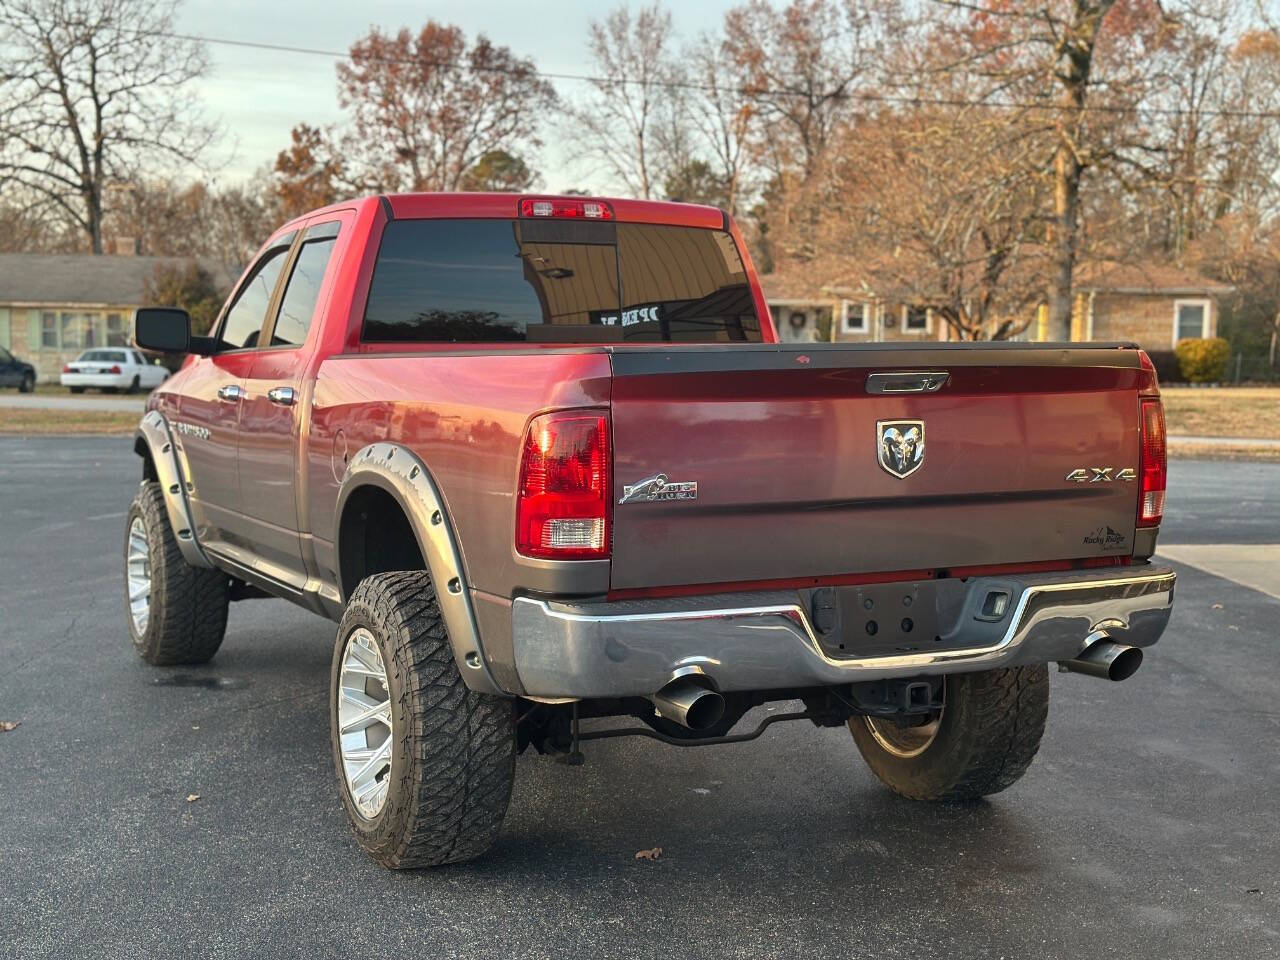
(167, 330)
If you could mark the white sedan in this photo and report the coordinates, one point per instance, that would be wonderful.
(112, 371)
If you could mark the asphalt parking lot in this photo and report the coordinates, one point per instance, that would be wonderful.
(1148, 826)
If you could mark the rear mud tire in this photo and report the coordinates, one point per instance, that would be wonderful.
(453, 761)
(987, 736)
(187, 616)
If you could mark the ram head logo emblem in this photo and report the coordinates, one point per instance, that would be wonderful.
(900, 446)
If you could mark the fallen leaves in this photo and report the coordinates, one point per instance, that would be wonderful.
(192, 797)
(7, 725)
(653, 854)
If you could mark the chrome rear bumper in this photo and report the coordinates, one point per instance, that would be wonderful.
(763, 641)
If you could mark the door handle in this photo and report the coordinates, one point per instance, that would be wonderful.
(929, 381)
(282, 396)
(231, 392)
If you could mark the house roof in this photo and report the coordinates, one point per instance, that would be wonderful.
(821, 279)
(829, 277)
(1113, 276)
(74, 278)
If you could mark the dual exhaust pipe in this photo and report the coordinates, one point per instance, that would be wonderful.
(1105, 659)
(690, 702)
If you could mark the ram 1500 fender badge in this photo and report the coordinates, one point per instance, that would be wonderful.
(191, 430)
(900, 446)
(1101, 474)
(659, 488)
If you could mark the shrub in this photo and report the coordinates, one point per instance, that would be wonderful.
(188, 285)
(1203, 361)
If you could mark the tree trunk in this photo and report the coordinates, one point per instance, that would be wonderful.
(1075, 61)
(1066, 210)
(93, 220)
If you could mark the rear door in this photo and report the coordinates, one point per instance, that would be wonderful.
(270, 418)
(805, 468)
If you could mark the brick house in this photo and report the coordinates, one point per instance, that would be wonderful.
(806, 301)
(1154, 306)
(55, 306)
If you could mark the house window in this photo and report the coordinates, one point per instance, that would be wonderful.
(72, 330)
(117, 335)
(1190, 319)
(915, 319)
(855, 317)
(93, 330)
(48, 331)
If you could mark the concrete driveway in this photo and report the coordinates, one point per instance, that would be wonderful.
(1145, 829)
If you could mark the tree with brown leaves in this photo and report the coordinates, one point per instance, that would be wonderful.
(424, 108)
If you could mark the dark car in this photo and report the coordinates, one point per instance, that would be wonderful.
(16, 373)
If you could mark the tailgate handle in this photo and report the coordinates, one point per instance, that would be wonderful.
(927, 381)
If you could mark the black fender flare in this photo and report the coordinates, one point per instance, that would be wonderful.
(398, 471)
(155, 439)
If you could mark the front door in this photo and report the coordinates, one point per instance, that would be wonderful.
(206, 430)
(270, 419)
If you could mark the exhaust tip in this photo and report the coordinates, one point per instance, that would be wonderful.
(1125, 664)
(689, 704)
(705, 711)
(1106, 660)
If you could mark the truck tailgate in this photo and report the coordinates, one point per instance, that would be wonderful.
(784, 443)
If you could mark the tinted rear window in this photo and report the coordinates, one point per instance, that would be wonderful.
(103, 356)
(557, 281)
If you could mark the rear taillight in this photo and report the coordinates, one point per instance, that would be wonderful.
(572, 209)
(1152, 465)
(66, 368)
(115, 369)
(562, 505)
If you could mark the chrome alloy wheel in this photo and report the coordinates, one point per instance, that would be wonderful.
(902, 740)
(364, 723)
(138, 575)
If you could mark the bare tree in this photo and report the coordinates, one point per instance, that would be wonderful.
(94, 92)
(1090, 64)
(629, 111)
(207, 221)
(942, 208)
(723, 113)
(804, 67)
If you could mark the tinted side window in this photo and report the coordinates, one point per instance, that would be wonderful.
(243, 323)
(299, 301)
(449, 280)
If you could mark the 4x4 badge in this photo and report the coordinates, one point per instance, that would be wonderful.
(900, 446)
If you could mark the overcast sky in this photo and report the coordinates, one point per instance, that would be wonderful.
(259, 95)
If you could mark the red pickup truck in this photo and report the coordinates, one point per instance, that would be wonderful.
(545, 462)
